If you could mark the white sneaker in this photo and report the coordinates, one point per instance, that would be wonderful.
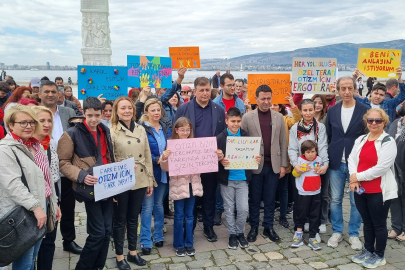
(318, 238)
(356, 244)
(322, 228)
(334, 240)
(306, 227)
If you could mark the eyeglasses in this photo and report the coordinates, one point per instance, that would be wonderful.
(182, 130)
(24, 124)
(183, 92)
(376, 120)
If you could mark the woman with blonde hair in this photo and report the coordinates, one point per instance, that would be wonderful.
(158, 132)
(129, 140)
(373, 182)
(21, 156)
(45, 118)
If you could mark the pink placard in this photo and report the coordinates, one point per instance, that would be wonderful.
(192, 156)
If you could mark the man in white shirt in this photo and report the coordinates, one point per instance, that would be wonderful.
(344, 124)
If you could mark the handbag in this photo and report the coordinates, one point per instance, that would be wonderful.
(83, 192)
(18, 230)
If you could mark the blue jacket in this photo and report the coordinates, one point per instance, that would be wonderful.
(154, 147)
(238, 102)
(218, 116)
(167, 107)
(337, 138)
(389, 106)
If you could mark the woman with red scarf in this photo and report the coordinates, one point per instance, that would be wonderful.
(45, 118)
(22, 154)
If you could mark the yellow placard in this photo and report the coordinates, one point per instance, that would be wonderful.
(380, 63)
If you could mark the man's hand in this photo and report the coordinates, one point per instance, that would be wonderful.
(282, 172)
(225, 162)
(58, 214)
(355, 74)
(399, 73)
(181, 73)
(220, 154)
(258, 159)
(90, 180)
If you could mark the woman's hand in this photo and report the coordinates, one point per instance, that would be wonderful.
(40, 216)
(225, 162)
(58, 213)
(149, 191)
(321, 170)
(166, 154)
(90, 180)
(353, 178)
(290, 100)
(298, 169)
(258, 159)
(220, 154)
(354, 186)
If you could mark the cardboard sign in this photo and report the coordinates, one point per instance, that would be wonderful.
(279, 84)
(188, 57)
(313, 75)
(111, 81)
(379, 63)
(114, 178)
(242, 151)
(192, 156)
(155, 71)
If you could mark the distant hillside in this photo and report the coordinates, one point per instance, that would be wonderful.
(346, 53)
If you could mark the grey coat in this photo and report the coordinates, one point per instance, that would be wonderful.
(12, 190)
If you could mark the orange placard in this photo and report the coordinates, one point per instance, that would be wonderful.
(279, 83)
(188, 57)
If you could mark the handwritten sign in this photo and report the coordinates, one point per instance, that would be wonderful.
(114, 178)
(279, 84)
(155, 71)
(241, 152)
(313, 75)
(192, 156)
(107, 80)
(188, 57)
(379, 62)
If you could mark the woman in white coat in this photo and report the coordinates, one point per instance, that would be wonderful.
(372, 179)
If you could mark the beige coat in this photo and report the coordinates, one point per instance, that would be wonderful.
(135, 144)
(179, 185)
(251, 124)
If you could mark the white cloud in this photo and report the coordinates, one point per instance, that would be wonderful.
(38, 31)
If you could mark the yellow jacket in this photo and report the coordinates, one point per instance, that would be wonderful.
(289, 122)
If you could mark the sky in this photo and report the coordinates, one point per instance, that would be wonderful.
(33, 32)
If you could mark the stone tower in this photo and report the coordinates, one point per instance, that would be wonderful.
(96, 42)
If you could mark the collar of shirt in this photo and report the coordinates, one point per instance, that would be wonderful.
(199, 106)
(236, 135)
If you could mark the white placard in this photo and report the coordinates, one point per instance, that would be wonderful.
(114, 178)
(241, 152)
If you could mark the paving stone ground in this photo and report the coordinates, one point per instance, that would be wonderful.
(263, 254)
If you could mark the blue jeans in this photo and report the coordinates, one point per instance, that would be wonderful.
(153, 204)
(263, 185)
(27, 261)
(183, 211)
(219, 202)
(337, 179)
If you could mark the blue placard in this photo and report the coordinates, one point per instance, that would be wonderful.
(111, 81)
(153, 70)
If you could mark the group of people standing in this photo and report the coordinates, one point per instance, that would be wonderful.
(316, 144)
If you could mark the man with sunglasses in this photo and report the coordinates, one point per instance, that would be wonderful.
(343, 126)
(378, 94)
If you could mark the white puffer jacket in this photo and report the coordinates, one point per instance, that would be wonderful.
(386, 153)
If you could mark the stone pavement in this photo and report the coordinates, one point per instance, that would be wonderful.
(263, 254)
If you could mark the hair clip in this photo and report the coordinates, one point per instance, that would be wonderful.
(83, 70)
(116, 71)
(90, 80)
(83, 91)
(117, 87)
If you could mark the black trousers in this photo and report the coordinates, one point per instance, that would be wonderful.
(374, 214)
(99, 227)
(47, 250)
(67, 207)
(126, 211)
(209, 182)
(309, 208)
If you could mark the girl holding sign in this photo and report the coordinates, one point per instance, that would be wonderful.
(182, 189)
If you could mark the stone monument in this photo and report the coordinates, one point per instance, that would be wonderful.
(96, 42)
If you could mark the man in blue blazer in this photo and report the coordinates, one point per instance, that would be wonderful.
(344, 124)
(208, 120)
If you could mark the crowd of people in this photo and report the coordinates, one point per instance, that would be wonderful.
(310, 149)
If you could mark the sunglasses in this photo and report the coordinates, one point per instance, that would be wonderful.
(376, 120)
(184, 92)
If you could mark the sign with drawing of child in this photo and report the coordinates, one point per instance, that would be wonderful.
(241, 152)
